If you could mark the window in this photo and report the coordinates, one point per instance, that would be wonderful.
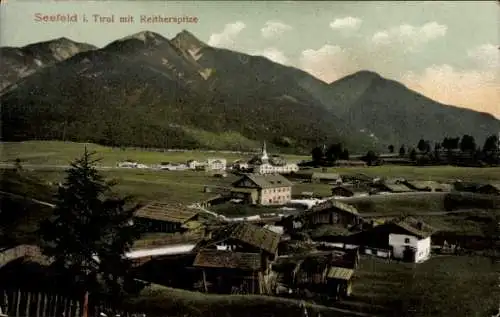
(407, 240)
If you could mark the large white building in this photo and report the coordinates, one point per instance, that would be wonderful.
(263, 164)
(212, 164)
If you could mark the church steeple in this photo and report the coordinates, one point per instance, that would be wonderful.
(264, 156)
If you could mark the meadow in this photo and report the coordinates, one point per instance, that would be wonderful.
(61, 153)
(441, 286)
(422, 173)
(162, 301)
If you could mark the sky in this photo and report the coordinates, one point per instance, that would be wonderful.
(446, 50)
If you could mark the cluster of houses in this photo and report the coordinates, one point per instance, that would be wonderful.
(262, 163)
(246, 257)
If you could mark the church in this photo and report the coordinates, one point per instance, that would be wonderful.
(274, 164)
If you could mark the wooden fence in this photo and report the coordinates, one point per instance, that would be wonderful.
(18, 303)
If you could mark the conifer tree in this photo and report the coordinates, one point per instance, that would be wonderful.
(90, 231)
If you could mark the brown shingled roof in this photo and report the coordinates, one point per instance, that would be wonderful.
(333, 203)
(166, 212)
(255, 236)
(268, 180)
(228, 259)
(415, 227)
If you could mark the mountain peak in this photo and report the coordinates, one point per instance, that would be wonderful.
(146, 37)
(367, 75)
(185, 40)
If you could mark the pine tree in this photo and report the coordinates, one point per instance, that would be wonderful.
(90, 230)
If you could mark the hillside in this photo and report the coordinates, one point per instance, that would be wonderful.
(365, 100)
(17, 63)
(143, 90)
(146, 90)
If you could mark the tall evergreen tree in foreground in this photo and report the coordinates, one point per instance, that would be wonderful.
(90, 231)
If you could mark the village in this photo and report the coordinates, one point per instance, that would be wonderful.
(295, 246)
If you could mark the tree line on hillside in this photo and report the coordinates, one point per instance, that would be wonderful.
(329, 155)
(453, 150)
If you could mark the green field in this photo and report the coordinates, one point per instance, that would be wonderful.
(165, 301)
(427, 173)
(61, 153)
(441, 286)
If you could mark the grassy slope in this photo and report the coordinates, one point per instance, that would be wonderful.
(175, 302)
(431, 173)
(442, 286)
(56, 152)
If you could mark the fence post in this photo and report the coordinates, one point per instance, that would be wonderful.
(44, 310)
(70, 308)
(65, 307)
(28, 304)
(18, 302)
(38, 304)
(55, 305)
(77, 309)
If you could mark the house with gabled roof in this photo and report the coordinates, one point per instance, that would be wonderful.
(478, 188)
(243, 237)
(230, 272)
(331, 212)
(263, 189)
(407, 239)
(165, 217)
(332, 178)
(429, 186)
(390, 187)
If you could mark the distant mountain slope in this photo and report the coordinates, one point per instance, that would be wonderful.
(396, 114)
(146, 90)
(17, 63)
(142, 90)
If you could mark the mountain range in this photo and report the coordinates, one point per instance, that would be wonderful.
(146, 90)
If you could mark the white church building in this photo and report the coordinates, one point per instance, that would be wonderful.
(265, 164)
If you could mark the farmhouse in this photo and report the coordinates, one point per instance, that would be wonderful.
(410, 240)
(392, 187)
(485, 189)
(243, 237)
(165, 217)
(232, 272)
(407, 239)
(428, 186)
(331, 178)
(263, 164)
(270, 189)
(331, 212)
(349, 191)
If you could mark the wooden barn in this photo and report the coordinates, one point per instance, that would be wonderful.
(489, 189)
(326, 272)
(332, 178)
(350, 191)
(428, 186)
(164, 217)
(485, 189)
(230, 272)
(331, 212)
(339, 281)
(393, 187)
(243, 237)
